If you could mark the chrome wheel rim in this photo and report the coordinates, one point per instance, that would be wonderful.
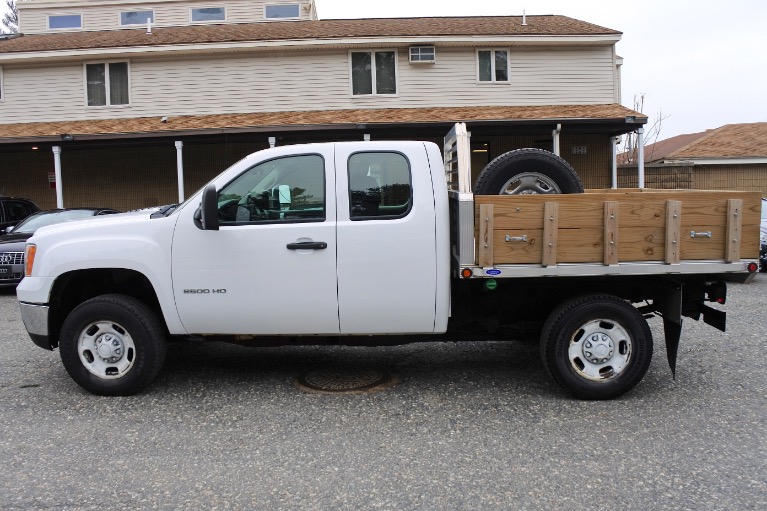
(528, 183)
(600, 350)
(106, 349)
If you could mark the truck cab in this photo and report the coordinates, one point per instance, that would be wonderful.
(351, 238)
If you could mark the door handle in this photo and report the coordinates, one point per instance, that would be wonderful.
(307, 245)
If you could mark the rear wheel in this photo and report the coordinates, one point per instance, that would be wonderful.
(527, 171)
(112, 345)
(596, 346)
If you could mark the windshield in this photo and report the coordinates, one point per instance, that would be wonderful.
(34, 222)
(764, 210)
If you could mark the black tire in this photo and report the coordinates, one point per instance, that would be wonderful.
(527, 171)
(112, 345)
(596, 346)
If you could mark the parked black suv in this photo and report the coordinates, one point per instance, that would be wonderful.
(13, 211)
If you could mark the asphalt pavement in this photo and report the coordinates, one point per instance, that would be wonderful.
(466, 426)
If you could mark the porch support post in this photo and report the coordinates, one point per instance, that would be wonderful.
(614, 143)
(180, 169)
(640, 154)
(555, 139)
(57, 170)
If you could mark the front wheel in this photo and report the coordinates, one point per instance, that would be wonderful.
(596, 346)
(112, 345)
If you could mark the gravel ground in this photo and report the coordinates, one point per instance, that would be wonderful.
(467, 426)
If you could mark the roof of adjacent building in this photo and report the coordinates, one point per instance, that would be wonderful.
(729, 141)
(323, 119)
(660, 150)
(309, 30)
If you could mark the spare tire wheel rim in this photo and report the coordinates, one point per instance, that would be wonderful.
(528, 183)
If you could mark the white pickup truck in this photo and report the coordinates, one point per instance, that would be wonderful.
(379, 243)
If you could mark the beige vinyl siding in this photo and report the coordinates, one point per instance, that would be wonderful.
(563, 75)
(107, 17)
(282, 81)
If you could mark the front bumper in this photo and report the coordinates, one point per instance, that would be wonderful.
(35, 318)
(763, 257)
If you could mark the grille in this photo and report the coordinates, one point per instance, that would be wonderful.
(12, 258)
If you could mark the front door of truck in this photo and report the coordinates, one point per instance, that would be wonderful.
(271, 266)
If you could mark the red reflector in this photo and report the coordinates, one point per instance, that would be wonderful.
(466, 273)
(752, 267)
(720, 300)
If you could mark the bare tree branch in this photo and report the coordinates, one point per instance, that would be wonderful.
(651, 132)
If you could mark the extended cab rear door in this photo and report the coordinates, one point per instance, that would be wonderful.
(387, 270)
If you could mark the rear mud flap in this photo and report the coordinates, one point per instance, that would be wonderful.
(713, 317)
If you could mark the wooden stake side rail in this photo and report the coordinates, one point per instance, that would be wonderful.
(617, 226)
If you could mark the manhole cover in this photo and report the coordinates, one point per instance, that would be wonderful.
(345, 379)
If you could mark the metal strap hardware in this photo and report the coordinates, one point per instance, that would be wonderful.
(517, 238)
(703, 234)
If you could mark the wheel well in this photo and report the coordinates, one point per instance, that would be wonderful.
(73, 288)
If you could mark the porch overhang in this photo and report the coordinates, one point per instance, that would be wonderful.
(611, 120)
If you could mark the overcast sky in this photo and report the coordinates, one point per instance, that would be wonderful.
(702, 63)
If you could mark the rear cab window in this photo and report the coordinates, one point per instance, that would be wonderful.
(380, 185)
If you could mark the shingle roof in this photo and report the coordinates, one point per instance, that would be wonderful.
(661, 149)
(729, 141)
(309, 30)
(327, 119)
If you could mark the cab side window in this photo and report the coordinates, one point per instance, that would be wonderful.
(380, 186)
(288, 189)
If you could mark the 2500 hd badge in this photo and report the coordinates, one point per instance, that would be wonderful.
(204, 291)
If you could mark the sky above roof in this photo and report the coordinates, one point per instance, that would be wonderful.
(699, 63)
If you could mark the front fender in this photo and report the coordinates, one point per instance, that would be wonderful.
(143, 246)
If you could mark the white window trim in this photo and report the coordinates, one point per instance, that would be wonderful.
(373, 73)
(205, 22)
(283, 19)
(135, 25)
(2, 89)
(492, 66)
(48, 21)
(106, 78)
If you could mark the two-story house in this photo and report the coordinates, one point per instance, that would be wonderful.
(132, 104)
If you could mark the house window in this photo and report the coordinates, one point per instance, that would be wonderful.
(374, 72)
(107, 83)
(208, 14)
(286, 11)
(493, 65)
(65, 21)
(2, 92)
(136, 17)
